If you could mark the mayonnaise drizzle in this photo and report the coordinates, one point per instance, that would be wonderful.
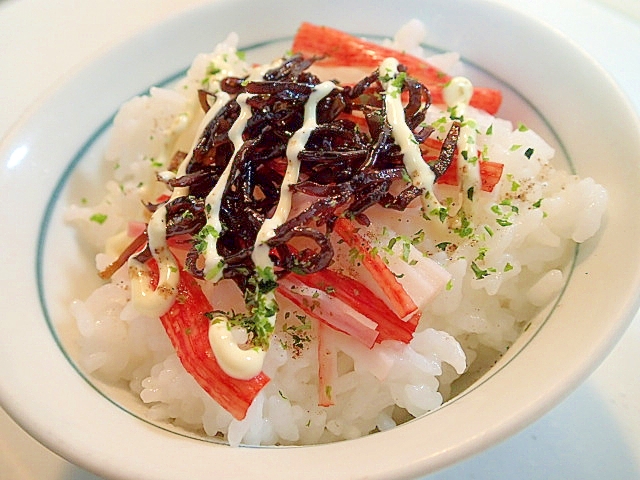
(213, 260)
(295, 145)
(420, 173)
(156, 301)
(235, 361)
(221, 100)
(457, 95)
(146, 299)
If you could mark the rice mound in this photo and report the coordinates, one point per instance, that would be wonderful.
(466, 328)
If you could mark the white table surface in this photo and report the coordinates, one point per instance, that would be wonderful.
(592, 434)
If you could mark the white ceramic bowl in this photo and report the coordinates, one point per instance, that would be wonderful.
(549, 84)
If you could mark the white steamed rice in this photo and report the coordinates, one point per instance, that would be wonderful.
(468, 326)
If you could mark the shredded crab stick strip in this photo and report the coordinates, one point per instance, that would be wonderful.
(187, 324)
(490, 174)
(327, 367)
(317, 303)
(348, 306)
(400, 301)
(420, 276)
(338, 48)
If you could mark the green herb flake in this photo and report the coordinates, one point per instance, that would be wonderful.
(465, 229)
(201, 242)
(98, 218)
(355, 255)
(156, 163)
(213, 69)
(471, 123)
(442, 213)
(454, 115)
(261, 308)
(418, 237)
(439, 122)
(213, 273)
(507, 203)
(397, 83)
(406, 250)
(443, 245)
(328, 390)
(470, 193)
(504, 210)
(478, 272)
(528, 153)
(485, 152)
(297, 336)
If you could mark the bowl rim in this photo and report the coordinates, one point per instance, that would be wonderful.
(462, 448)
